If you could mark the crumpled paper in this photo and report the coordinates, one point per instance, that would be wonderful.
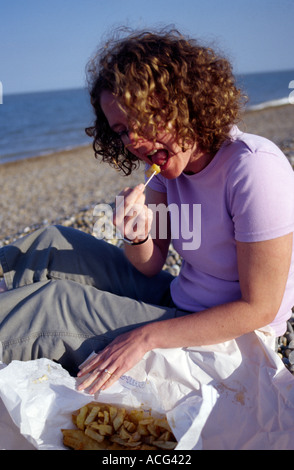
(233, 396)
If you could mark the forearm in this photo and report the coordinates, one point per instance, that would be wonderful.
(211, 326)
(147, 258)
(263, 270)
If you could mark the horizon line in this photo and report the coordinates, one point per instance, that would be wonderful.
(84, 87)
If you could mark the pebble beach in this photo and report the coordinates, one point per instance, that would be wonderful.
(64, 188)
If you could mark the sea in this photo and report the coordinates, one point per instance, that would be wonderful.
(41, 123)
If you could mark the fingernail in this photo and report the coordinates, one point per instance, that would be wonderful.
(140, 187)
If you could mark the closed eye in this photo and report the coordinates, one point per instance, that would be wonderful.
(123, 133)
(120, 130)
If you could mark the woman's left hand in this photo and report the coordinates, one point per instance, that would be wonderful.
(113, 361)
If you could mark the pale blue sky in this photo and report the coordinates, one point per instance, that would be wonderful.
(45, 44)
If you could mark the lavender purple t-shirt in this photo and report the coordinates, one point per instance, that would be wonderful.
(246, 193)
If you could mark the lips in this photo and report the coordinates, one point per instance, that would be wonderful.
(159, 157)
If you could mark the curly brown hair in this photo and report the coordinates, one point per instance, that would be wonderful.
(162, 78)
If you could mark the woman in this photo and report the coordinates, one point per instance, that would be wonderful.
(160, 99)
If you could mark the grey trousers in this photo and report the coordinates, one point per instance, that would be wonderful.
(70, 294)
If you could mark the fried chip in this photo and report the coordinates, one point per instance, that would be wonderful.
(78, 440)
(108, 427)
(92, 415)
(81, 418)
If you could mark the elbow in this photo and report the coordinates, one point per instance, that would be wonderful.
(148, 271)
(267, 317)
(261, 315)
(269, 310)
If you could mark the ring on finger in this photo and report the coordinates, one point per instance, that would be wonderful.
(109, 373)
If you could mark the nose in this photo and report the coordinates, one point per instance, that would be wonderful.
(134, 139)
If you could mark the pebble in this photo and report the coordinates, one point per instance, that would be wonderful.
(287, 146)
(285, 345)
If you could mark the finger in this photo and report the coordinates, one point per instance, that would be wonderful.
(88, 360)
(104, 381)
(97, 380)
(127, 197)
(92, 377)
(133, 215)
(137, 227)
(140, 198)
(125, 191)
(131, 193)
(89, 380)
(89, 366)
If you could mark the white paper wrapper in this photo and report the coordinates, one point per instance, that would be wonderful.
(235, 396)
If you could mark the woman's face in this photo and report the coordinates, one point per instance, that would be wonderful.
(165, 151)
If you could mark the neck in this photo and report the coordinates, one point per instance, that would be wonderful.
(199, 160)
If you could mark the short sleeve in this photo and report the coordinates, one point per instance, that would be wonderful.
(157, 183)
(261, 197)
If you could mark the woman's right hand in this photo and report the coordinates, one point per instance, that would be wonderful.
(132, 217)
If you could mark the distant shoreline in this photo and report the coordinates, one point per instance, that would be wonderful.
(43, 155)
(269, 104)
(275, 105)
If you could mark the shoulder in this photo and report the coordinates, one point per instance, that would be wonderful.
(259, 189)
(252, 154)
(243, 143)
